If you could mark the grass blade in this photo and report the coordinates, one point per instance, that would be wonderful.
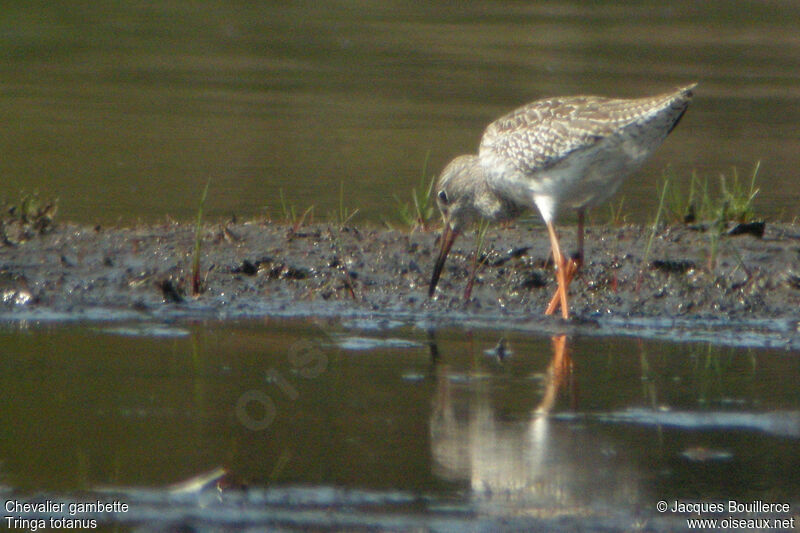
(653, 232)
(196, 284)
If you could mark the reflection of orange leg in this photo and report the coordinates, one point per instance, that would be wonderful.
(571, 268)
(558, 374)
(562, 364)
(561, 273)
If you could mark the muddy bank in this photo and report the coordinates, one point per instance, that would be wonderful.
(262, 269)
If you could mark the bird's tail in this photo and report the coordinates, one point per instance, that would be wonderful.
(680, 102)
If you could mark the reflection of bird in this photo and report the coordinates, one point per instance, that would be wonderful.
(553, 153)
(516, 456)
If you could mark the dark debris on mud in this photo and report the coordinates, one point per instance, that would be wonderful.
(255, 269)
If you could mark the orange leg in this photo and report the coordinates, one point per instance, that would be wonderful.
(561, 274)
(571, 268)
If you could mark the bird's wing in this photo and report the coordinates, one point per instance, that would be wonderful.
(541, 134)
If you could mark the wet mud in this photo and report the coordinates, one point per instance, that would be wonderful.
(740, 286)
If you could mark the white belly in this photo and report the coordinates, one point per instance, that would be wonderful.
(584, 178)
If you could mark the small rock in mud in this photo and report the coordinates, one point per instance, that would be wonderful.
(295, 273)
(513, 253)
(533, 280)
(793, 280)
(247, 267)
(673, 266)
(749, 228)
(171, 291)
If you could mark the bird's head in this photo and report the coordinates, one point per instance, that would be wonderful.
(457, 190)
(463, 196)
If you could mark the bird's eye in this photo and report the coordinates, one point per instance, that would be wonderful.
(443, 197)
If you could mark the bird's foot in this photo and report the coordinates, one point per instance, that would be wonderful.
(570, 269)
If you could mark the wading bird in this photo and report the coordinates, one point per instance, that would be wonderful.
(568, 152)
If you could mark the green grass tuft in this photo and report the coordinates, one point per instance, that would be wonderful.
(712, 208)
(616, 216)
(478, 258)
(345, 214)
(737, 200)
(290, 215)
(24, 219)
(732, 200)
(418, 214)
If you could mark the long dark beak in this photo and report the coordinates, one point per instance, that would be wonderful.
(447, 239)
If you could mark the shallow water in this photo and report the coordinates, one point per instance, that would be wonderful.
(367, 424)
(123, 111)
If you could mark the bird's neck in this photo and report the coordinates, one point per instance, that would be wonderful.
(492, 204)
